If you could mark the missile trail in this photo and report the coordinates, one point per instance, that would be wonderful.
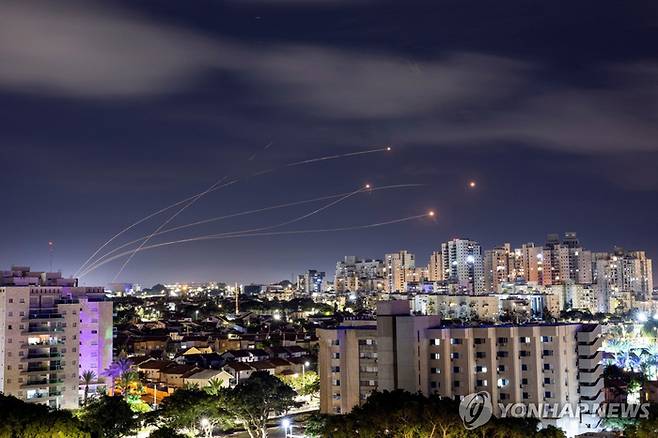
(162, 210)
(165, 223)
(144, 219)
(334, 157)
(269, 233)
(247, 212)
(182, 209)
(269, 227)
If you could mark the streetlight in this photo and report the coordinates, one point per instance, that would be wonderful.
(207, 427)
(304, 365)
(287, 427)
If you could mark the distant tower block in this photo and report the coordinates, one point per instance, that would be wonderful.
(51, 248)
(237, 298)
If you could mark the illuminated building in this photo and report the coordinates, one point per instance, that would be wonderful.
(498, 267)
(619, 273)
(354, 274)
(462, 261)
(531, 363)
(435, 267)
(52, 332)
(311, 281)
(396, 265)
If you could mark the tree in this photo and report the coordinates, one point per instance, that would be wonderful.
(108, 417)
(214, 386)
(165, 432)
(28, 420)
(645, 427)
(127, 381)
(87, 378)
(306, 384)
(551, 432)
(253, 400)
(184, 410)
(402, 414)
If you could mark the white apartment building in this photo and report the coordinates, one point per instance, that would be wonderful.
(355, 274)
(534, 363)
(457, 306)
(435, 267)
(499, 267)
(462, 262)
(531, 263)
(396, 267)
(621, 272)
(51, 331)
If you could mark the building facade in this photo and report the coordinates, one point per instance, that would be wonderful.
(462, 263)
(533, 363)
(397, 266)
(51, 332)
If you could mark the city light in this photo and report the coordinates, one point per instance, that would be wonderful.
(472, 184)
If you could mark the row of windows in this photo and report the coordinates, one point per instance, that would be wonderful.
(483, 369)
(500, 340)
(483, 383)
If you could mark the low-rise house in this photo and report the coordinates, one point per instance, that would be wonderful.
(283, 367)
(197, 350)
(245, 355)
(201, 378)
(278, 352)
(296, 351)
(148, 343)
(151, 369)
(174, 376)
(208, 360)
(239, 371)
(264, 365)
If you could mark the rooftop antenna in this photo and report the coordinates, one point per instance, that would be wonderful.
(51, 249)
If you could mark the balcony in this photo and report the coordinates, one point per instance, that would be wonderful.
(39, 398)
(44, 316)
(44, 343)
(42, 383)
(40, 357)
(42, 370)
(44, 329)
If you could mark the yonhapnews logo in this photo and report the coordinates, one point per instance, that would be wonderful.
(475, 409)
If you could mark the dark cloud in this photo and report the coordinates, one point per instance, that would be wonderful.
(86, 49)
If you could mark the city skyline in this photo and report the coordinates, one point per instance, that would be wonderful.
(552, 119)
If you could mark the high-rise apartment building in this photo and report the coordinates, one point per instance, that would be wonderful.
(532, 363)
(51, 331)
(354, 274)
(531, 263)
(462, 262)
(566, 261)
(621, 272)
(499, 267)
(396, 266)
(312, 281)
(435, 267)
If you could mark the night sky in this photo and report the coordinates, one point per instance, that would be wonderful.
(111, 111)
